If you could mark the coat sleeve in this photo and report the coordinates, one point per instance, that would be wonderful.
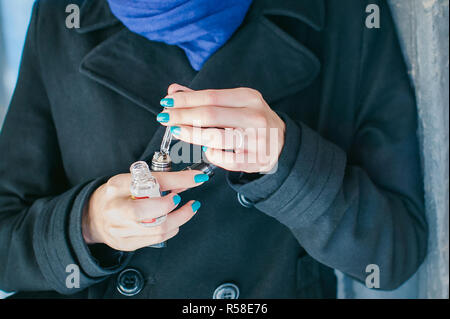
(40, 215)
(362, 206)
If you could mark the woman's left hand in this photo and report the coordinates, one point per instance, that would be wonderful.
(224, 120)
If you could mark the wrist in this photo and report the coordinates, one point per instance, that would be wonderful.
(87, 228)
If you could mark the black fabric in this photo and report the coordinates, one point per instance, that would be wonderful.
(347, 193)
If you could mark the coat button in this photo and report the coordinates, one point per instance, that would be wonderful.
(226, 291)
(130, 282)
(244, 201)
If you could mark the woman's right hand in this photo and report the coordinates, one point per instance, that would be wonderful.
(113, 218)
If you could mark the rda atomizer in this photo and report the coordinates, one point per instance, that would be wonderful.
(161, 162)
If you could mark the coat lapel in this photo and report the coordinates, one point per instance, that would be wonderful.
(136, 68)
(95, 15)
(260, 55)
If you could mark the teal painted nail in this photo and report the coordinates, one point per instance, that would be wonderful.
(204, 148)
(163, 117)
(168, 102)
(200, 178)
(175, 130)
(176, 199)
(195, 206)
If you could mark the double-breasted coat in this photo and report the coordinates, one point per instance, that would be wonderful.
(347, 193)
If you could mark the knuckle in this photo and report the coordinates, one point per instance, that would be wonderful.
(239, 166)
(160, 229)
(134, 212)
(111, 232)
(208, 115)
(260, 120)
(126, 247)
(115, 246)
(211, 97)
(110, 189)
(252, 143)
(160, 238)
(263, 162)
(180, 97)
(163, 228)
(254, 96)
(175, 232)
(172, 87)
(168, 205)
(115, 180)
(116, 242)
(179, 116)
(113, 184)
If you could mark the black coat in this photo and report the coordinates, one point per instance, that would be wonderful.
(348, 191)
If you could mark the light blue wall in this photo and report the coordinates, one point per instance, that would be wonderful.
(15, 15)
(14, 20)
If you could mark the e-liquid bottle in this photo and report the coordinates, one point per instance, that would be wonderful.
(144, 185)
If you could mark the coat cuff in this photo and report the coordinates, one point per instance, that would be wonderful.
(58, 241)
(310, 173)
(257, 187)
(96, 260)
(312, 183)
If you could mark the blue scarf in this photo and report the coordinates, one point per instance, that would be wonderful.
(199, 27)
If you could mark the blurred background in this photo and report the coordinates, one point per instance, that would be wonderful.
(423, 29)
(14, 18)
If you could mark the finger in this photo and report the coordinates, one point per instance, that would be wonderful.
(133, 243)
(179, 180)
(209, 116)
(179, 217)
(152, 240)
(148, 209)
(118, 185)
(179, 190)
(238, 97)
(174, 220)
(248, 162)
(175, 87)
(225, 139)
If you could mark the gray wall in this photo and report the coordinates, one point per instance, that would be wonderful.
(14, 17)
(423, 27)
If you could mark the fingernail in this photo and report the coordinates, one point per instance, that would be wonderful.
(176, 199)
(175, 130)
(204, 148)
(195, 206)
(200, 178)
(163, 117)
(167, 102)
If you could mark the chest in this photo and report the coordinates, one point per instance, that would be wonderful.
(107, 97)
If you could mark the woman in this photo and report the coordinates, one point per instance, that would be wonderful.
(342, 188)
